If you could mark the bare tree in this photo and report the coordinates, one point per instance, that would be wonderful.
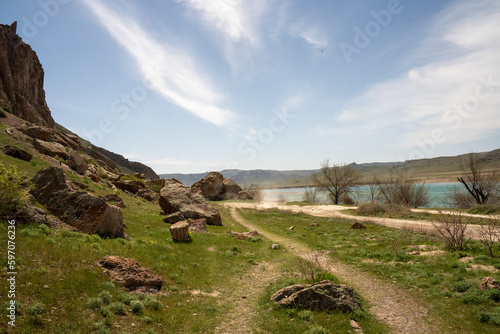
(489, 235)
(311, 196)
(402, 190)
(336, 180)
(479, 184)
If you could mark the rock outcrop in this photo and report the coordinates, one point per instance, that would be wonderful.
(21, 79)
(322, 296)
(85, 212)
(17, 153)
(215, 187)
(175, 196)
(130, 274)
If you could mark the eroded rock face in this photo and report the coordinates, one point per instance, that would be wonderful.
(76, 162)
(50, 149)
(175, 196)
(87, 213)
(130, 274)
(21, 79)
(231, 189)
(322, 296)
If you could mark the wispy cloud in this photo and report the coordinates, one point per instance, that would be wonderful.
(235, 22)
(460, 53)
(169, 70)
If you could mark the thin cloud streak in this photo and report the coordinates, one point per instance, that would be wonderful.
(169, 71)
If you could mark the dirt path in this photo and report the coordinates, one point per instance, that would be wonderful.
(387, 302)
(336, 211)
(242, 317)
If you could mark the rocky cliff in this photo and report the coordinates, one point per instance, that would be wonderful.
(21, 79)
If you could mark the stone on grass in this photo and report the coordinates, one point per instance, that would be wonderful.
(489, 283)
(180, 231)
(130, 274)
(198, 225)
(322, 296)
(358, 226)
(244, 236)
(275, 246)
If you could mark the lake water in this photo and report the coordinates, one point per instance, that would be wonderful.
(437, 194)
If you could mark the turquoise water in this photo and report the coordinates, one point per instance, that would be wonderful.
(437, 194)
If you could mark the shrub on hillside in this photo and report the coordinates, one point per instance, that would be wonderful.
(12, 194)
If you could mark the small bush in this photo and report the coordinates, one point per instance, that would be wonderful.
(94, 303)
(305, 315)
(461, 286)
(152, 303)
(126, 298)
(36, 310)
(315, 329)
(12, 194)
(100, 328)
(105, 297)
(136, 306)
(118, 308)
(147, 320)
(108, 285)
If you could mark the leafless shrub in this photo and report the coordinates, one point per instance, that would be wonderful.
(309, 266)
(459, 199)
(281, 199)
(489, 235)
(402, 190)
(311, 195)
(453, 229)
(255, 191)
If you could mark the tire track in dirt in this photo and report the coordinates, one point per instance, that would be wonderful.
(388, 303)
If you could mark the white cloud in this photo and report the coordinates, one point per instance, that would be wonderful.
(461, 51)
(170, 71)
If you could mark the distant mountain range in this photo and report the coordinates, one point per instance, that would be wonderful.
(440, 169)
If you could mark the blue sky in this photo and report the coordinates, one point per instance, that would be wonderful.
(193, 85)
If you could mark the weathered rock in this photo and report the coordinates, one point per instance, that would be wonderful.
(291, 228)
(132, 186)
(358, 226)
(130, 274)
(21, 79)
(175, 196)
(50, 149)
(489, 283)
(211, 186)
(231, 189)
(198, 225)
(68, 140)
(322, 296)
(174, 218)
(37, 132)
(76, 162)
(244, 196)
(245, 235)
(148, 194)
(275, 246)
(29, 213)
(180, 231)
(117, 200)
(87, 213)
(17, 153)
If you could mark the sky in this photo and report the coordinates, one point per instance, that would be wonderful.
(190, 86)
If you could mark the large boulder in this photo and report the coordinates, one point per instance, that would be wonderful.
(130, 274)
(211, 186)
(175, 196)
(50, 149)
(76, 162)
(18, 153)
(37, 132)
(85, 212)
(231, 189)
(132, 186)
(322, 296)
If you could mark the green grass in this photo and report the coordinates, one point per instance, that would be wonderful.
(444, 282)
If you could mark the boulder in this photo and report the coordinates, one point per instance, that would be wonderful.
(211, 186)
(180, 231)
(174, 218)
(132, 186)
(85, 212)
(244, 196)
(130, 274)
(231, 190)
(148, 194)
(198, 225)
(275, 246)
(17, 153)
(244, 235)
(76, 162)
(37, 132)
(50, 149)
(358, 226)
(117, 200)
(489, 283)
(175, 196)
(68, 140)
(322, 296)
